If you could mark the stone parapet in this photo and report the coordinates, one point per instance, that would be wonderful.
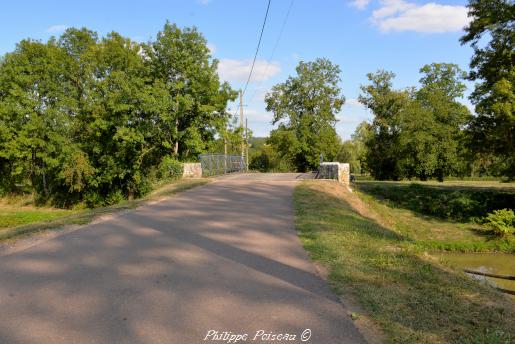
(335, 170)
(192, 170)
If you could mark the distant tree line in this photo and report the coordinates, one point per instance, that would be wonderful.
(84, 118)
(422, 132)
(426, 132)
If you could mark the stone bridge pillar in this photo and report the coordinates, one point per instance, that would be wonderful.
(335, 170)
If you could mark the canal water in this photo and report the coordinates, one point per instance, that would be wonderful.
(497, 263)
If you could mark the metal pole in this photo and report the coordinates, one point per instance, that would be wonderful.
(225, 153)
(246, 144)
(241, 120)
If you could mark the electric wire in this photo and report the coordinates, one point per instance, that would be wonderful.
(255, 55)
(285, 20)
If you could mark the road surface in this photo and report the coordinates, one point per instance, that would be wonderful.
(220, 258)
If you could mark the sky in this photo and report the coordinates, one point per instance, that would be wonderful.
(360, 36)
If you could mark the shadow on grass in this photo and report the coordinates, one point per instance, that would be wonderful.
(411, 297)
(87, 215)
(449, 202)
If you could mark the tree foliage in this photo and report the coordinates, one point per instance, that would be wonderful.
(416, 133)
(305, 108)
(89, 118)
(491, 33)
(387, 105)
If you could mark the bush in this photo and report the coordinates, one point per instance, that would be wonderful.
(170, 168)
(94, 199)
(502, 222)
(115, 197)
(260, 162)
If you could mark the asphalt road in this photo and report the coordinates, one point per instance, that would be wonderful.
(223, 257)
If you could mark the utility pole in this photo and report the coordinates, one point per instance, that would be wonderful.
(241, 121)
(246, 144)
(241, 128)
(225, 151)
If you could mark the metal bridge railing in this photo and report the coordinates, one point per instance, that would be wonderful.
(215, 164)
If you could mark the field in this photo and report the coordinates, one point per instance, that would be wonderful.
(18, 217)
(378, 262)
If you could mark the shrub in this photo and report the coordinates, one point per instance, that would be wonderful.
(94, 199)
(115, 197)
(502, 222)
(170, 168)
(260, 162)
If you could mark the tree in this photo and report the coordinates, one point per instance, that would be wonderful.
(491, 34)
(387, 105)
(305, 106)
(34, 125)
(431, 128)
(354, 150)
(89, 119)
(197, 100)
(362, 134)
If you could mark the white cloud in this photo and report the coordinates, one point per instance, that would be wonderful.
(57, 28)
(258, 116)
(238, 70)
(360, 4)
(400, 15)
(352, 102)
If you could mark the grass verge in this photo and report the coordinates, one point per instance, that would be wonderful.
(21, 221)
(410, 296)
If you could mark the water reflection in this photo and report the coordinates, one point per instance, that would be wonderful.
(496, 263)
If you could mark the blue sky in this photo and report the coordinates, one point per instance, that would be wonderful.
(360, 36)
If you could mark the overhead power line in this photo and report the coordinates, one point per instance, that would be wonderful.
(285, 20)
(255, 55)
(257, 48)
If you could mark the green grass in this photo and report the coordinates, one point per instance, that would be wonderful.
(441, 217)
(460, 202)
(13, 217)
(410, 296)
(17, 221)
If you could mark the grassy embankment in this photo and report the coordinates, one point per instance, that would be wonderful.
(378, 261)
(19, 217)
(442, 216)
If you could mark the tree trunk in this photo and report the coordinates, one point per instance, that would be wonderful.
(45, 189)
(176, 148)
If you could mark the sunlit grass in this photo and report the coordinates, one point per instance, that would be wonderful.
(16, 220)
(444, 217)
(12, 217)
(411, 297)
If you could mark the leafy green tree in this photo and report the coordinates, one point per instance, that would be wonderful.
(491, 33)
(387, 105)
(432, 122)
(362, 134)
(34, 135)
(349, 153)
(89, 119)
(196, 99)
(305, 106)
(354, 151)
